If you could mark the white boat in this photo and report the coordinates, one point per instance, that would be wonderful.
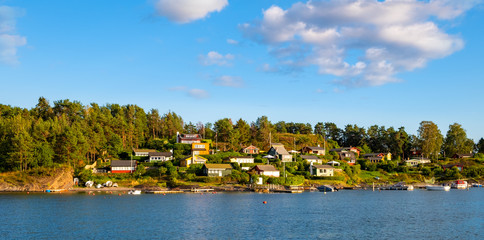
(134, 192)
(459, 184)
(437, 188)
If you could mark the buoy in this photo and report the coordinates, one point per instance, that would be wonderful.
(325, 193)
(28, 192)
(264, 202)
(93, 194)
(164, 194)
(119, 194)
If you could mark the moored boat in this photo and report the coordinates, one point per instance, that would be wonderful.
(459, 184)
(135, 192)
(437, 188)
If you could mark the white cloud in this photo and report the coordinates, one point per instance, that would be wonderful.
(194, 92)
(229, 81)
(363, 42)
(9, 40)
(232, 41)
(215, 58)
(184, 11)
(198, 93)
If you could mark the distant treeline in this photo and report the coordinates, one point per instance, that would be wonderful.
(68, 132)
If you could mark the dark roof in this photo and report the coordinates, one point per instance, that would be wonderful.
(189, 136)
(316, 148)
(163, 154)
(123, 163)
(373, 155)
(309, 157)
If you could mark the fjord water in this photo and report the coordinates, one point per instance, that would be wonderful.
(359, 214)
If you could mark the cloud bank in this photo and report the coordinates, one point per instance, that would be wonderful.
(9, 40)
(361, 42)
(185, 11)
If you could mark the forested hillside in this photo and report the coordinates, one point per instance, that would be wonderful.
(68, 132)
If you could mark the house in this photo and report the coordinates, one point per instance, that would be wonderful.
(384, 156)
(415, 152)
(200, 148)
(123, 166)
(188, 138)
(266, 170)
(465, 155)
(250, 150)
(312, 159)
(332, 163)
(192, 160)
(348, 149)
(142, 152)
(449, 166)
(278, 150)
(313, 150)
(345, 154)
(217, 170)
(160, 156)
(415, 162)
(240, 159)
(321, 170)
(375, 159)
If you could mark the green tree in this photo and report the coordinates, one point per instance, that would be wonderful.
(456, 141)
(430, 139)
(480, 146)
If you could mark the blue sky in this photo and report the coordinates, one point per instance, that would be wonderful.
(391, 63)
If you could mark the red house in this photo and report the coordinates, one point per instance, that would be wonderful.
(123, 166)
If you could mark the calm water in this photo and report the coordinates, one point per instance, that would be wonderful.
(420, 214)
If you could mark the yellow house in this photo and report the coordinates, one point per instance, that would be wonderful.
(200, 148)
(192, 160)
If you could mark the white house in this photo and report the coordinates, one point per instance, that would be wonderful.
(241, 159)
(322, 170)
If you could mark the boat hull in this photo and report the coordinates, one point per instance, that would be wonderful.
(438, 188)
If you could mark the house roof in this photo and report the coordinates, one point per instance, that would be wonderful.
(251, 147)
(219, 166)
(123, 163)
(199, 149)
(266, 168)
(281, 150)
(163, 154)
(143, 150)
(189, 136)
(323, 166)
(197, 157)
(309, 157)
(316, 148)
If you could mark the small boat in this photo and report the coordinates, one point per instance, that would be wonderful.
(437, 188)
(326, 188)
(459, 184)
(99, 186)
(476, 185)
(134, 192)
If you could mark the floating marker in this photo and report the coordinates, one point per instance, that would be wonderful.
(264, 202)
